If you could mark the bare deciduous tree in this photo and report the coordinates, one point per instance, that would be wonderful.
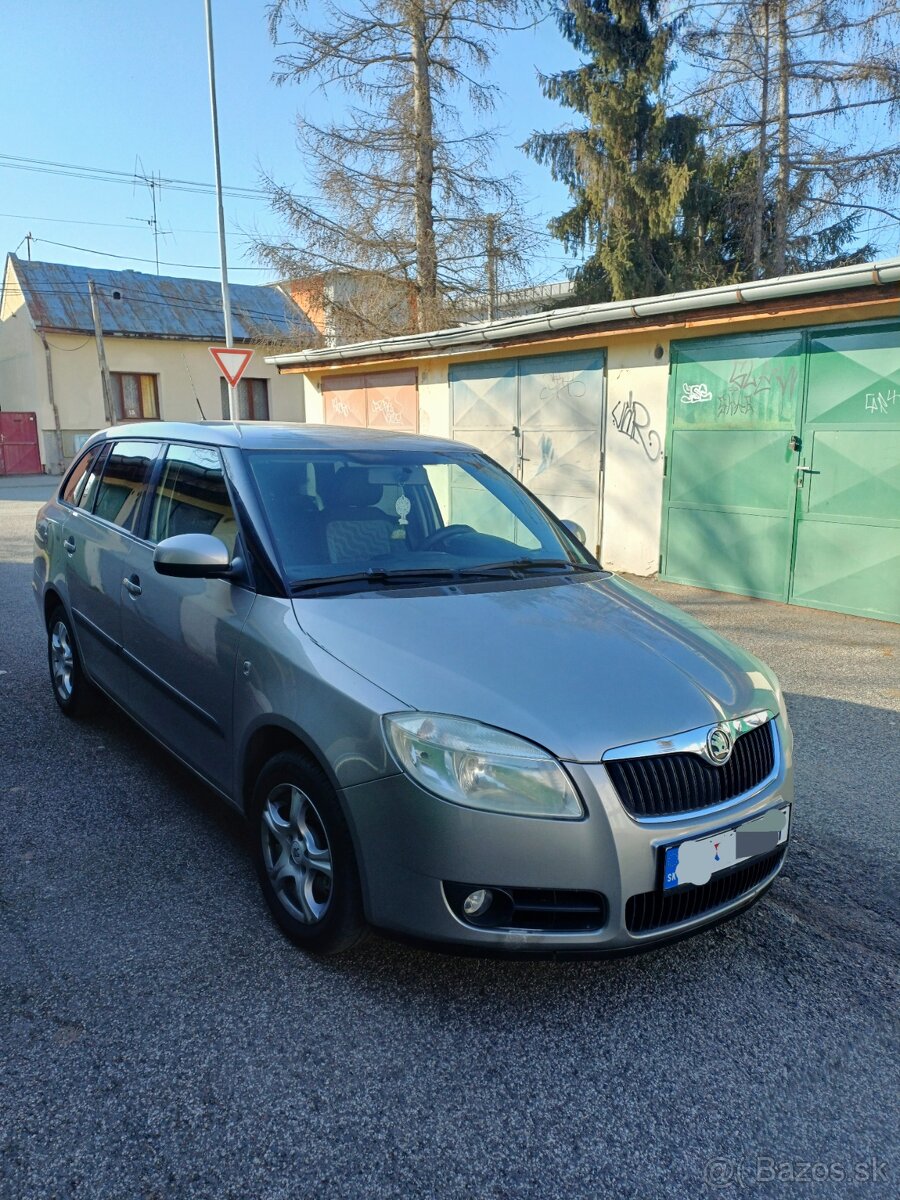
(812, 89)
(405, 196)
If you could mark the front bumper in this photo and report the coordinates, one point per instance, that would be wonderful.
(409, 843)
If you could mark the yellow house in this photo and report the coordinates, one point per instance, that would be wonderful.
(745, 438)
(156, 331)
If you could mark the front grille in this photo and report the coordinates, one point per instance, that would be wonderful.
(655, 910)
(663, 785)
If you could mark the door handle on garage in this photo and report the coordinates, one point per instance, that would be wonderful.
(133, 586)
(69, 545)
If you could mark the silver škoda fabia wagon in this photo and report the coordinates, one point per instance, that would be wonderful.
(438, 712)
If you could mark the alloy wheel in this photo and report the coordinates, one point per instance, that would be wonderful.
(62, 660)
(297, 853)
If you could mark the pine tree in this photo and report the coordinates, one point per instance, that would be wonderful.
(628, 165)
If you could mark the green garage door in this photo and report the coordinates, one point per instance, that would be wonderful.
(783, 468)
(847, 554)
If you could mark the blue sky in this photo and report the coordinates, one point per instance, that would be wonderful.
(114, 83)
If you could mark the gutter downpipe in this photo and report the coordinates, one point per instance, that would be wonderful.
(60, 458)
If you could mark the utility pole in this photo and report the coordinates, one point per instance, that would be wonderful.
(783, 188)
(105, 380)
(29, 238)
(762, 161)
(226, 298)
(492, 266)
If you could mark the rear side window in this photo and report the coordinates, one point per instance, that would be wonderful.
(125, 479)
(80, 488)
(74, 486)
(191, 497)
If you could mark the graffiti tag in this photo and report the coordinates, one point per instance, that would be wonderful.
(389, 411)
(771, 393)
(548, 455)
(564, 387)
(632, 420)
(695, 393)
(877, 402)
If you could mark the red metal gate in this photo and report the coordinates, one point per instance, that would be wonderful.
(19, 450)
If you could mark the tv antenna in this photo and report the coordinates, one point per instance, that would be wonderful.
(153, 184)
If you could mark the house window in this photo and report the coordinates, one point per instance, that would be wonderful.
(134, 397)
(252, 399)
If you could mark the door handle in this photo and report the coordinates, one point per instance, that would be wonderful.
(133, 586)
(69, 545)
(809, 471)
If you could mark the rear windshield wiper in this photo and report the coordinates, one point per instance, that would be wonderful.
(380, 575)
(526, 564)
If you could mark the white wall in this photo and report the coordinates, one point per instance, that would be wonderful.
(313, 403)
(434, 399)
(636, 405)
(186, 371)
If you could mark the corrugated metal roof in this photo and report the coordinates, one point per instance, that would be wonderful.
(155, 306)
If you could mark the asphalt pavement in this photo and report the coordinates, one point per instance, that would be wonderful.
(159, 1038)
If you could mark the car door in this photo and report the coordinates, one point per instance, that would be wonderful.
(97, 537)
(181, 636)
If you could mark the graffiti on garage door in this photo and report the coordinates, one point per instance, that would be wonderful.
(782, 474)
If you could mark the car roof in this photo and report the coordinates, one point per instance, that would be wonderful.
(273, 435)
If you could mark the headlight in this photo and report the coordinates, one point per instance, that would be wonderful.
(473, 764)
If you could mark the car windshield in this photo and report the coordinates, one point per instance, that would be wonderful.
(364, 517)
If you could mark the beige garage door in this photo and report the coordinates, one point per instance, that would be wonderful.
(389, 400)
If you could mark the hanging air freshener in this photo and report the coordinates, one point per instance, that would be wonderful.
(403, 506)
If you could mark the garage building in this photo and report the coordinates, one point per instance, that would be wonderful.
(741, 438)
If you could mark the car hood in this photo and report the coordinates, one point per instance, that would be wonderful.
(578, 666)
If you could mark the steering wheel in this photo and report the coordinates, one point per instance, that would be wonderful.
(436, 540)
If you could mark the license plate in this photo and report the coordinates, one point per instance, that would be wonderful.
(697, 860)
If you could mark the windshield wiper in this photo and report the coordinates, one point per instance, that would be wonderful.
(380, 575)
(526, 564)
(411, 576)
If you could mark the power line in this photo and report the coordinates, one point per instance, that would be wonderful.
(104, 175)
(136, 258)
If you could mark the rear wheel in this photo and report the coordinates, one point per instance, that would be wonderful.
(72, 690)
(304, 856)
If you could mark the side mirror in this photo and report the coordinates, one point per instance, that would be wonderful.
(192, 556)
(576, 531)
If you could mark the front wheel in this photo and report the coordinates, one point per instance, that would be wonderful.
(72, 690)
(304, 856)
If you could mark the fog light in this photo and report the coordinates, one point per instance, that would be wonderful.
(477, 903)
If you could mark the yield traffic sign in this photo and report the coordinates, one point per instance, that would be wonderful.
(232, 363)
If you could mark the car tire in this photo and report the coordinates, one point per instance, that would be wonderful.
(72, 690)
(304, 856)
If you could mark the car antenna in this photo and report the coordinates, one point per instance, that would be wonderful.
(193, 387)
